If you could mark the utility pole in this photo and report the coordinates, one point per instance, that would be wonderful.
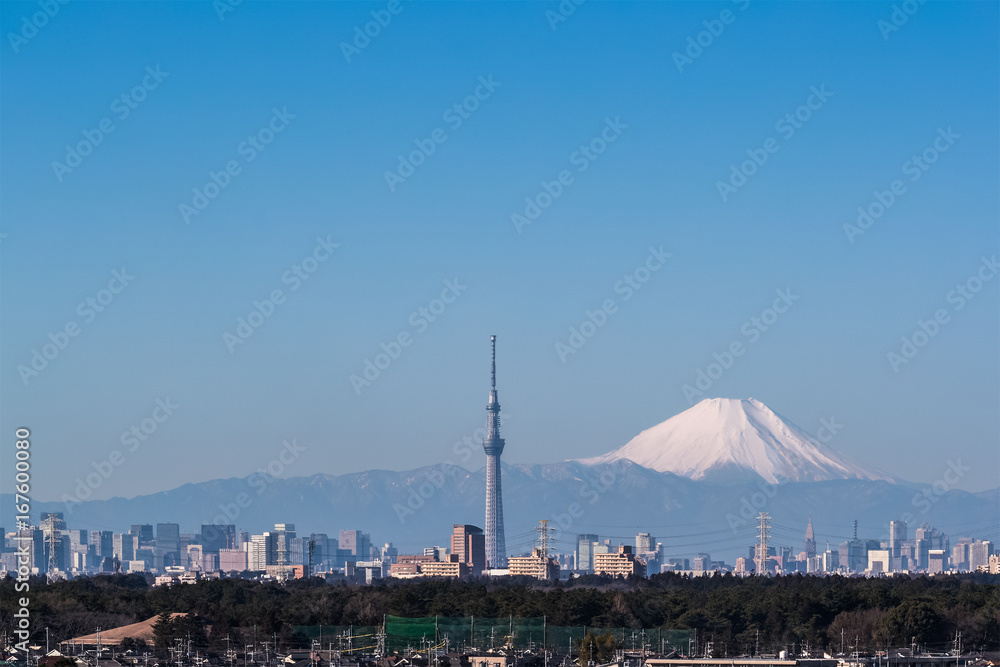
(545, 648)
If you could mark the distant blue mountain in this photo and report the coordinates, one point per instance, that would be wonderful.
(417, 508)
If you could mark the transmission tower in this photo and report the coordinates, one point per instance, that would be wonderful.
(543, 537)
(52, 520)
(53, 547)
(763, 532)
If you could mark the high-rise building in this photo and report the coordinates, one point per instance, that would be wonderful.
(124, 546)
(78, 537)
(283, 535)
(195, 557)
(80, 551)
(469, 544)
(217, 536)
(960, 553)
(168, 544)
(810, 539)
(897, 535)
(496, 544)
(979, 554)
(143, 531)
(103, 542)
(232, 560)
(355, 544)
(937, 561)
(56, 543)
(585, 552)
(37, 550)
(880, 560)
(647, 550)
(260, 552)
(323, 556)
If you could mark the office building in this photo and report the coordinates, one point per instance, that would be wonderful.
(469, 544)
(585, 552)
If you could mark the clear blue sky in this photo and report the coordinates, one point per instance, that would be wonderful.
(323, 175)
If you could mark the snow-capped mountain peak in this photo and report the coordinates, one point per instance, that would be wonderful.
(727, 439)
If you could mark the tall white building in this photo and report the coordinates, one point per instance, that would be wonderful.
(260, 552)
(979, 554)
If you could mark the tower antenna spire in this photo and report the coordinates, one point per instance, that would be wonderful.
(493, 364)
(496, 550)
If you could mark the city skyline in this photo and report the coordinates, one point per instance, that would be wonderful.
(59, 549)
(289, 252)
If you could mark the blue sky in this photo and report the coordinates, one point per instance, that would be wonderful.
(887, 97)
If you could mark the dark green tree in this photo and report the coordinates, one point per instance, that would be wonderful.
(599, 648)
(163, 630)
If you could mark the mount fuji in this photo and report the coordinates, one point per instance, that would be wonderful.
(706, 466)
(726, 439)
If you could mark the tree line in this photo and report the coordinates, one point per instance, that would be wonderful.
(737, 615)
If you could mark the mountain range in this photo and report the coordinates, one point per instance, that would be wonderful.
(740, 459)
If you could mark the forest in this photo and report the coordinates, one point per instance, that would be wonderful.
(736, 614)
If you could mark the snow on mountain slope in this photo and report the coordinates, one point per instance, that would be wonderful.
(730, 439)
